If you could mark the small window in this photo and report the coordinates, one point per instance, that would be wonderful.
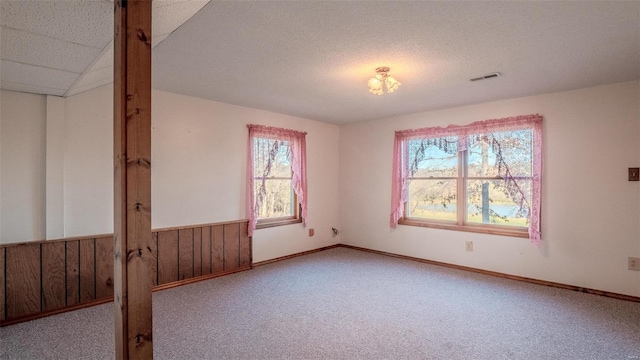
(273, 176)
(277, 183)
(484, 177)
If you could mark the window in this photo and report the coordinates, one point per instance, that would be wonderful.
(276, 170)
(483, 177)
(272, 180)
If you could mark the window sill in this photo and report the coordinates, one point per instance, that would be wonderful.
(273, 223)
(515, 232)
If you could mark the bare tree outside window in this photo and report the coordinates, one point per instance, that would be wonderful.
(272, 161)
(487, 168)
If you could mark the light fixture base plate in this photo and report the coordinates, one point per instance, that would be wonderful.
(382, 69)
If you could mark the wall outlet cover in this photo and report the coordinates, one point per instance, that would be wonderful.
(634, 263)
(634, 174)
(469, 246)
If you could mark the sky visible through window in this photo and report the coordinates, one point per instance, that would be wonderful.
(273, 159)
(491, 160)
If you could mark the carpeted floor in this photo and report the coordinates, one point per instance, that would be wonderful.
(348, 304)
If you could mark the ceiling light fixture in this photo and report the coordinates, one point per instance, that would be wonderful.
(382, 79)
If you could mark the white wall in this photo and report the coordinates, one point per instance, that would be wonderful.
(22, 170)
(88, 163)
(199, 150)
(55, 143)
(590, 211)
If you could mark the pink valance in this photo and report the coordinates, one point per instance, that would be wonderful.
(401, 160)
(297, 143)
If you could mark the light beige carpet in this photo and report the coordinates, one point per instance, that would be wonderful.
(348, 304)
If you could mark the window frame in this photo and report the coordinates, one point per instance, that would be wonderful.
(297, 148)
(461, 203)
(263, 223)
(280, 221)
(461, 224)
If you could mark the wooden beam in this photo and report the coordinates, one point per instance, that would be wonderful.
(133, 279)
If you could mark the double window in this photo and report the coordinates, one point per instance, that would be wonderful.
(483, 177)
(277, 177)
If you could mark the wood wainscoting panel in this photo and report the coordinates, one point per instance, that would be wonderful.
(231, 247)
(22, 280)
(49, 277)
(167, 256)
(73, 272)
(87, 270)
(197, 251)
(185, 250)
(53, 276)
(2, 283)
(104, 267)
(217, 249)
(206, 250)
(245, 245)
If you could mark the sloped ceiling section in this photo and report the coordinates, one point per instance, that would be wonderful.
(65, 47)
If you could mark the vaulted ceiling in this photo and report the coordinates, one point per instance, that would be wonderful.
(312, 59)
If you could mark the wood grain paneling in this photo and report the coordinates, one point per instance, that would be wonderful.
(104, 267)
(22, 280)
(231, 247)
(206, 250)
(185, 244)
(132, 179)
(48, 277)
(87, 270)
(53, 276)
(245, 245)
(2, 284)
(197, 251)
(167, 256)
(217, 249)
(73, 272)
(154, 252)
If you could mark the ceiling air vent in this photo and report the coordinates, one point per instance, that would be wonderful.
(487, 76)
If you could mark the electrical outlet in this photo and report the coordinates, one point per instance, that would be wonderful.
(634, 263)
(469, 246)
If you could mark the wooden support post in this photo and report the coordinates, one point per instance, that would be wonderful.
(133, 277)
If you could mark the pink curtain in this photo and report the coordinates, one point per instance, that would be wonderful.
(297, 143)
(401, 160)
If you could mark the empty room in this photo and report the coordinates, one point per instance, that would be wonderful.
(194, 179)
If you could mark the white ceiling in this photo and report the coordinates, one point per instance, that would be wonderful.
(64, 47)
(312, 59)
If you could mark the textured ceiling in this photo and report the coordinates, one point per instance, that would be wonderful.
(63, 47)
(312, 59)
